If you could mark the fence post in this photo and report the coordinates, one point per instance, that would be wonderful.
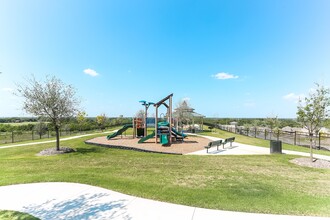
(12, 137)
(32, 135)
(278, 134)
(320, 141)
(295, 138)
(255, 132)
(247, 132)
(265, 134)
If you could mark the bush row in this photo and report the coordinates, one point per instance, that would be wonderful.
(69, 124)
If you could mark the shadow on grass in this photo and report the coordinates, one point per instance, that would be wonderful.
(88, 150)
(222, 150)
(86, 206)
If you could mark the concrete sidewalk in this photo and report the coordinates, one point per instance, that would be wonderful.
(53, 141)
(79, 201)
(244, 149)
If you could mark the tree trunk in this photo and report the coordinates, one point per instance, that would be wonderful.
(311, 147)
(57, 130)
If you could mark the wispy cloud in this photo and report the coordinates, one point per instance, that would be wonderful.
(293, 97)
(249, 103)
(223, 76)
(7, 89)
(91, 72)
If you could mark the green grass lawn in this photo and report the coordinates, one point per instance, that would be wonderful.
(13, 215)
(258, 142)
(264, 184)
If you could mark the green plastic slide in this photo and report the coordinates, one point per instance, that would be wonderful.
(164, 139)
(179, 133)
(120, 131)
(147, 137)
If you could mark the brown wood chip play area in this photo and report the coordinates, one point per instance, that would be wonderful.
(190, 144)
(164, 139)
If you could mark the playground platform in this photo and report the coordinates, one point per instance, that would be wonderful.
(189, 145)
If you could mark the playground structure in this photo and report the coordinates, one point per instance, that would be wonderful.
(163, 129)
(138, 129)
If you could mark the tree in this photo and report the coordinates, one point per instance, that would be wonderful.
(313, 111)
(100, 120)
(51, 99)
(41, 128)
(81, 119)
(139, 114)
(272, 123)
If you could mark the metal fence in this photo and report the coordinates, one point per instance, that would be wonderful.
(294, 137)
(17, 136)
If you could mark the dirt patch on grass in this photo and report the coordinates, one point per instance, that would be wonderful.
(318, 163)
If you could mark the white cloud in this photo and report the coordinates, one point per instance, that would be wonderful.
(7, 89)
(90, 72)
(293, 97)
(223, 76)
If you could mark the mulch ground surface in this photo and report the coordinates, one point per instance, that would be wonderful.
(190, 144)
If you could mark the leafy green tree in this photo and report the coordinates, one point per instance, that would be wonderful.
(51, 99)
(312, 112)
(81, 119)
(101, 120)
(41, 128)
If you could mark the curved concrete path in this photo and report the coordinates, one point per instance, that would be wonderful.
(244, 149)
(53, 141)
(79, 201)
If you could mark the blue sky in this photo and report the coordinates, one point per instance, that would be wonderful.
(228, 58)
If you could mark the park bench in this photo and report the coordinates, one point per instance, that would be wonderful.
(228, 140)
(213, 144)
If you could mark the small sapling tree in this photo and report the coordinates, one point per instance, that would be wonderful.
(50, 99)
(312, 112)
(273, 123)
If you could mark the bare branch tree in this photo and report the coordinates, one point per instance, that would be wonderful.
(51, 99)
(139, 114)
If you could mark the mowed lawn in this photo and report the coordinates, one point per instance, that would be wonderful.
(264, 184)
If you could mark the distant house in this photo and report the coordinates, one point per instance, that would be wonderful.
(287, 129)
(235, 123)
